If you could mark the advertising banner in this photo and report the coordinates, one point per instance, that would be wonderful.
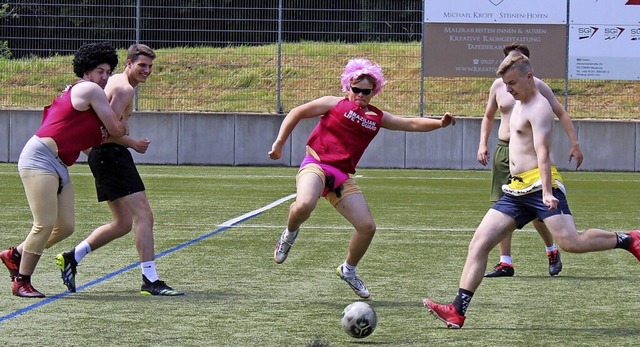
(465, 38)
(496, 11)
(604, 39)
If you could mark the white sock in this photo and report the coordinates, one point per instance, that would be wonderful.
(506, 259)
(290, 235)
(81, 250)
(552, 248)
(149, 270)
(348, 269)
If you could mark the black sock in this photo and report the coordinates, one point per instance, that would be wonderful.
(23, 278)
(462, 300)
(16, 254)
(623, 241)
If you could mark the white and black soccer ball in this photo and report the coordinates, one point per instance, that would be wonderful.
(359, 319)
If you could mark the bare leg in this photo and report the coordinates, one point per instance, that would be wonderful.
(308, 189)
(544, 232)
(563, 229)
(505, 245)
(121, 225)
(355, 209)
(494, 227)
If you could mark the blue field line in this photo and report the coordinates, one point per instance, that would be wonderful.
(224, 226)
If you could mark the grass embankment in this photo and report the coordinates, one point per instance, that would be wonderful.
(244, 79)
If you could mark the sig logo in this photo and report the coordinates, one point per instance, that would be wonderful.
(613, 33)
(635, 34)
(587, 32)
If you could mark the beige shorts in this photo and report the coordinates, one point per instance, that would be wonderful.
(348, 187)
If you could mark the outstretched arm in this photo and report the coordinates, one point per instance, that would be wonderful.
(392, 122)
(315, 108)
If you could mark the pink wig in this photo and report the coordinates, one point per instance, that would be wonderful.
(357, 68)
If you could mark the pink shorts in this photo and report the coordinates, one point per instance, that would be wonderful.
(339, 177)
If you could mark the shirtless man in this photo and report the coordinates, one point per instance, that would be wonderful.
(118, 182)
(500, 99)
(534, 192)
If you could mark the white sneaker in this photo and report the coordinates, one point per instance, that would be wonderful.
(282, 247)
(355, 283)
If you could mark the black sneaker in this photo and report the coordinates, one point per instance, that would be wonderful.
(555, 264)
(67, 263)
(501, 270)
(157, 288)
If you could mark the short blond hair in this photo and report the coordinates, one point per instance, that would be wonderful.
(515, 60)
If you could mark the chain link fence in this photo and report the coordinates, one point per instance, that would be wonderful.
(255, 56)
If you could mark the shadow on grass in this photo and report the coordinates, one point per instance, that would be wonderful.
(135, 296)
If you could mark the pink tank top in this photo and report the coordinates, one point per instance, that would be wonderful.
(343, 134)
(72, 130)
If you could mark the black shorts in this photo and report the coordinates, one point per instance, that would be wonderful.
(114, 171)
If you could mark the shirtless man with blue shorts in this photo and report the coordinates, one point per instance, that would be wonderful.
(535, 191)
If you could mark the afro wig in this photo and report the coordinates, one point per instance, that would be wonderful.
(90, 55)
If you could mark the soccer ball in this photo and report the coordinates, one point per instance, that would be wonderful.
(359, 319)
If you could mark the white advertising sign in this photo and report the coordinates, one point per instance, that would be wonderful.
(620, 12)
(604, 39)
(496, 11)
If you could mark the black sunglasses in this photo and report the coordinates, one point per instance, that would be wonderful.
(357, 90)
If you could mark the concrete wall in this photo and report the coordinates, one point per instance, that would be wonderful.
(245, 139)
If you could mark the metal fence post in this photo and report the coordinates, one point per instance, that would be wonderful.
(279, 74)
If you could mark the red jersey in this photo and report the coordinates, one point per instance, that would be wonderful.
(72, 130)
(343, 134)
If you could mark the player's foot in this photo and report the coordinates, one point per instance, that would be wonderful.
(446, 313)
(555, 264)
(67, 263)
(355, 283)
(24, 289)
(157, 288)
(501, 270)
(11, 259)
(283, 246)
(635, 243)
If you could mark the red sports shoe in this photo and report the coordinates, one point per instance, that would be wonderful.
(446, 313)
(25, 289)
(635, 243)
(11, 261)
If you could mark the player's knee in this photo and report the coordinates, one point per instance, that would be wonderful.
(303, 207)
(479, 246)
(122, 227)
(368, 228)
(569, 245)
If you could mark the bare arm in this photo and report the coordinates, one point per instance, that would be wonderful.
(486, 125)
(89, 95)
(120, 97)
(541, 126)
(422, 124)
(314, 108)
(565, 120)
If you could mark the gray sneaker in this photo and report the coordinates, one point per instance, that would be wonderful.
(555, 264)
(282, 247)
(355, 283)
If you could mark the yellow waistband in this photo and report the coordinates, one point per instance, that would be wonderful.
(528, 178)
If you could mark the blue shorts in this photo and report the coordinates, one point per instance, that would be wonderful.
(524, 209)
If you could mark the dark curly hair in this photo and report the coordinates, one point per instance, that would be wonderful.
(90, 55)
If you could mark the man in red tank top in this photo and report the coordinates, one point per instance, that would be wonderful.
(80, 118)
(346, 128)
